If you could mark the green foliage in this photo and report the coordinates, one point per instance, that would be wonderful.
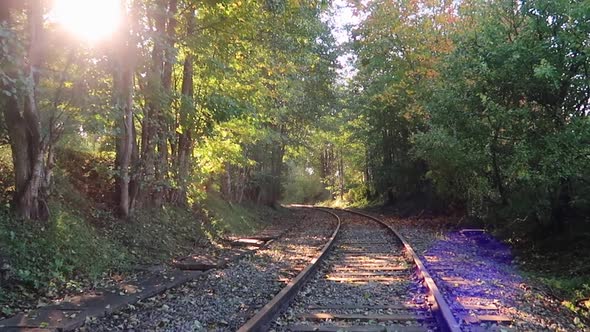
(303, 187)
(477, 106)
(399, 47)
(485, 105)
(480, 105)
(83, 240)
(505, 129)
(6, 175)
(12, 79)
(575, 288)
(260, 74)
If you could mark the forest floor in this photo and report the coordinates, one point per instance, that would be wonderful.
(84, 246)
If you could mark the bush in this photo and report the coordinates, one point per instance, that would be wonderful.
(83, 240)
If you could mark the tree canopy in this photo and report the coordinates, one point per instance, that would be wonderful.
(185, 95)
(478, 107)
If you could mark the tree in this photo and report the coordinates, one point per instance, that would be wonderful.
(178, 76)
(123, 90)
(20, 78)
(399, 47)
(510, 112)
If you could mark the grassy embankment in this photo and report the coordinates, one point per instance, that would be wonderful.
(83, 242)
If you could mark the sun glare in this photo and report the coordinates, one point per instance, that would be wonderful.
(90, 20)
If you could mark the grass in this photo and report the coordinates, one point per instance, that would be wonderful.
(553, 271)
(558, 260)
(334, 203)
(75, 250)
(362, 203)
(46, 256)
(572, 291)
(572, 288)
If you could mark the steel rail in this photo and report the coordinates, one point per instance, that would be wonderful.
(262, 320)
(440, 308)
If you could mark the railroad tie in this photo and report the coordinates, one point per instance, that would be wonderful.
(354, 328)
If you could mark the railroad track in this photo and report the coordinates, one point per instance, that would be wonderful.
(368, 279)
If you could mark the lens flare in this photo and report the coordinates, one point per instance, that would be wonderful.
(89, 20)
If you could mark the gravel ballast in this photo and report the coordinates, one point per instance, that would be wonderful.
(473, 267)
(222, 300)
(354, 294)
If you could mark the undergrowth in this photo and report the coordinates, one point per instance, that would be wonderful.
(556, 258)
(156, 234)
(564, 271)
(224, 217)
(57, 256)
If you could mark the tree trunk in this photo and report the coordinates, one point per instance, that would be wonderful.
(164, 56)
(159, 94)
(184, 136)
(341, 174)
(367, 175)
(24, 126)
(170, 52)
(497, 176)
(226, 183)
(560, 203)
(123, 103)
(242, 188)
(276, 171)
(135, 178)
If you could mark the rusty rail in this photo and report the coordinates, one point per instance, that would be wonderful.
(262, 320)
(440, 308)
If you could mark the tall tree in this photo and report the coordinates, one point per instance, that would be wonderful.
(20, 77)
(399, 47)
(123, 91)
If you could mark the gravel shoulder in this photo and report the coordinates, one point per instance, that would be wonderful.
(224, 299)
(490, 277)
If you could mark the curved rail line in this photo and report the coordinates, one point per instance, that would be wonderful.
(438, 306)
(261, 321)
